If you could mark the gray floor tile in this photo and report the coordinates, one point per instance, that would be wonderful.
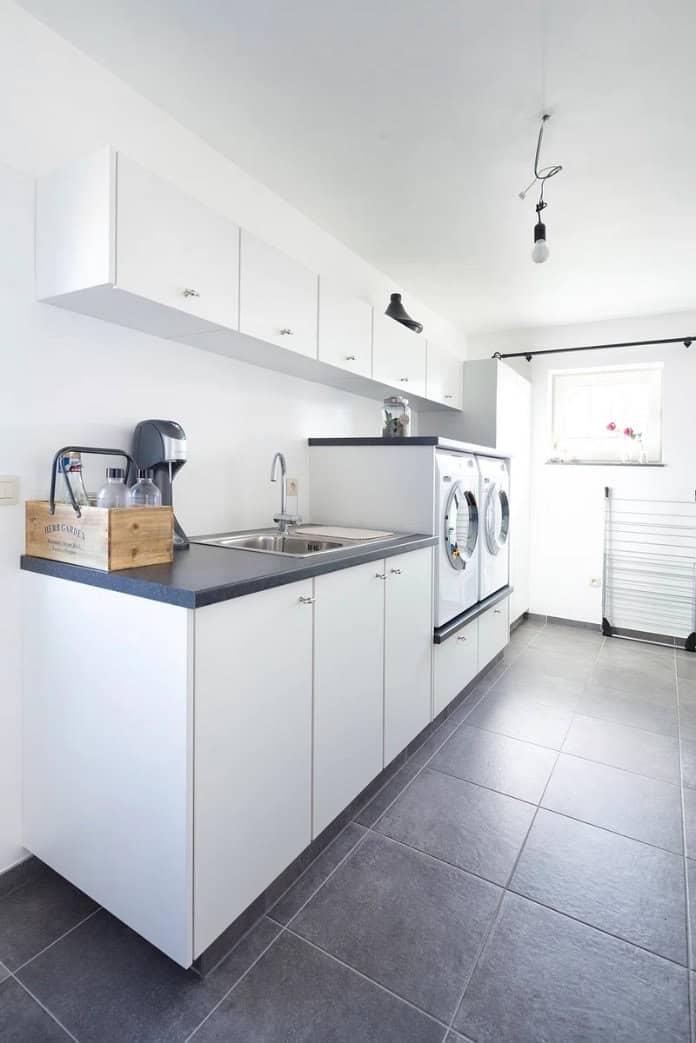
(463, 824)
(686, 665)
(545, 977)
(522, 718)
(688, 762)
(20, 874)
(690, 821)
(631, 654)
(404, 919)
(295, 993)
(510, 766)
(622, 747)
(687, 710)
(22, 1020)
(691, 873)
(379, 803)
(624, 887)
(121, 988)
(4, 973)
(635, 806)
(638, 680)
(610, 704)
(34, 915)
(566, 665)
(315, 874)
(529, 682)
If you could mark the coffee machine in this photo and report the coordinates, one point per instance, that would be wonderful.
(160, 446)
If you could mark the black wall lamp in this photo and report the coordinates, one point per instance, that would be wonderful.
(395, 310)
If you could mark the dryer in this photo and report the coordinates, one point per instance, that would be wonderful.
(495, 525)
(457, 521)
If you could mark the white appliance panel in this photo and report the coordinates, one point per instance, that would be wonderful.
(458, 531)
(495, 526)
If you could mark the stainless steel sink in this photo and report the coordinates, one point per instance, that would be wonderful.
(274, 543)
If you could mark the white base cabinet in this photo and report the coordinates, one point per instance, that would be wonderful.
(175, 788)
(455, 664)
(252, 749)
(408, 643)
(348, 687)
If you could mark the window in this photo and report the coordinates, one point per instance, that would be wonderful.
(591, 409)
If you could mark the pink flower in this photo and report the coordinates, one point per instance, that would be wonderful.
(628, 431)
(611, 426)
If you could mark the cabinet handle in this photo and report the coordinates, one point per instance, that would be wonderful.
(380, 575)
(286, 332)
(449, 396)
(395, 572)
(307, 601)
(403, 380)
(351, 358)
(496, 611)
(188, 292)
(461, 637)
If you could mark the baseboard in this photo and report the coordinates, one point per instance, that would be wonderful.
(231, 937)
(535, 617)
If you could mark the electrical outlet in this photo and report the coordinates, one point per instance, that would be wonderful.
(595, 581)
(291, 486)
(9, 490)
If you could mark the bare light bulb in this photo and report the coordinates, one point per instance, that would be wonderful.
(540, 252)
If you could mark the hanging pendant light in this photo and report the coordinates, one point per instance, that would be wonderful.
(395, 310)
(540, 251)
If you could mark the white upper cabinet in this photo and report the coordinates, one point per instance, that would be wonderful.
(115, 241)
(345, 331)
(278, 298)
(173, 250)
(408, 644)
(443, 376)
(398, 356)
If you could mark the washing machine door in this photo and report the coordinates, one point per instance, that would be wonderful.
(496, 518)
(461, 526)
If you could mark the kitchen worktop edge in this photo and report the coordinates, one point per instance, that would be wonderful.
(202, 575)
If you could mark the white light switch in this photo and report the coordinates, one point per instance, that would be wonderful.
(9, 490)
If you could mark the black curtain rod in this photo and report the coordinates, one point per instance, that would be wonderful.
(529, 355)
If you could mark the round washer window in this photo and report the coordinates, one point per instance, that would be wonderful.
(461, 526)
(497, 519)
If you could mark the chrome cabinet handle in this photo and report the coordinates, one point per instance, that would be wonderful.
(351, 358)
(403, 380)
(496, 611)
(188, 292)
(306, 601)
(395, 572)
(449, 396)
(286, 332)
(380, 575)
(461, 637)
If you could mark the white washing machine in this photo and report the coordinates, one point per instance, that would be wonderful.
(457, 568)
(495, 525)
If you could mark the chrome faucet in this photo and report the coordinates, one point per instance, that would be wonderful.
(284, 519)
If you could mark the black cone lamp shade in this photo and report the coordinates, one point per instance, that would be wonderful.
(396, 310)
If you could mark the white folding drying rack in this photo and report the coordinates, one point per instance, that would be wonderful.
(649, 585)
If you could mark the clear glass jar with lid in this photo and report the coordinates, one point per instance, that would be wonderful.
(396, 417)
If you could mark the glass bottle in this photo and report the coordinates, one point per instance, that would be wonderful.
(145, 493)
(115, 492)
(396, 417)
(71, 473)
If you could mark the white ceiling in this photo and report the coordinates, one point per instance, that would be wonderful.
(407, 128)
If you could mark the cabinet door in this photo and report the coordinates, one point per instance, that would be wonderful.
(253, 749)
(173, 250)
(408, 648)
(345, 331)
(348, 686)
(494, 633)
(278, 298)
(455, 664)
(443, 376)
(398, 356)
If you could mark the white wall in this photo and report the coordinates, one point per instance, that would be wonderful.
(65, 377)
(567, 501)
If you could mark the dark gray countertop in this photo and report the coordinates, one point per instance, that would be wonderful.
(438, 441)
(203, 575)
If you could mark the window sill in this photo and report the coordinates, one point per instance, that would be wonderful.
(599, 463)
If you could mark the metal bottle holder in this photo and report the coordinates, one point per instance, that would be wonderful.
(58, 464)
